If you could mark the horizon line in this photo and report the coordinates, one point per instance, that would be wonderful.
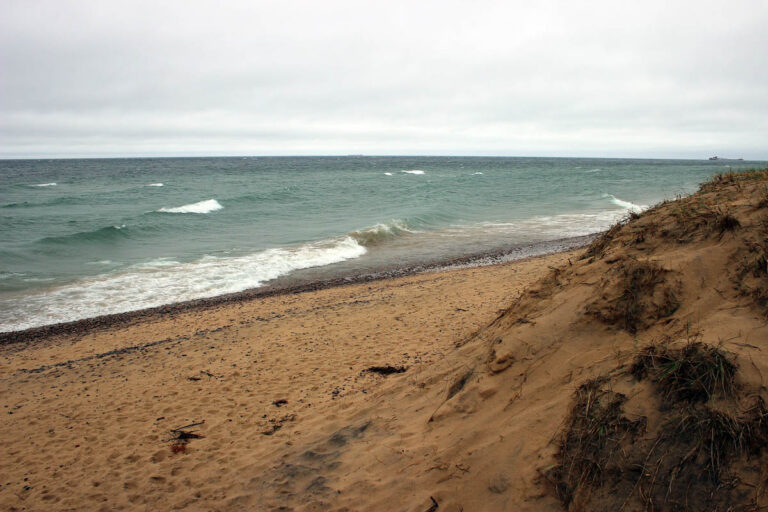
(363, 155)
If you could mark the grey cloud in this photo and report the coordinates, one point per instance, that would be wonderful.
(604, 78)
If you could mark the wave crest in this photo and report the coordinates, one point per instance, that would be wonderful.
(632, 207)
(106, 234)
(207, 206)
(379, 233)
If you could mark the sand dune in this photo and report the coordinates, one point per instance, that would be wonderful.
(527, 386)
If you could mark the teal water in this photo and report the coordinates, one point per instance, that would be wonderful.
(81, 238)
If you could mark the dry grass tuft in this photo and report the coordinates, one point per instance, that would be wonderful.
(763, 201)
(694, 460)
(752, 272)
(724, 221)
(592, 440)
(693, 218)
(597, 248)
(693, 373)
(637, 294)
(732, 178)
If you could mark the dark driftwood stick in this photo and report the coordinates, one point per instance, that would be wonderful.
(179, 429)
(385, 370)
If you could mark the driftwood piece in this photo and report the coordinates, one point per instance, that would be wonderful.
(385, 370)
(181, 436)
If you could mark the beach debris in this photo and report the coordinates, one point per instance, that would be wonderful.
(280, 402)
(276, 424)
(456, 386)
(434, 505)
(459, 383)
(181, 436)
(385, 370)
(196, 378)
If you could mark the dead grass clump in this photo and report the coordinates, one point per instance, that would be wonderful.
(690, 463)
(719, 180)
(725, 179)
(693, 373)
(637, 294)
(714, 437)
(763, 201)
(757, 426)
(724, 221)
(597, 248)
(752, 273)
(590, 445)
(693, 218)
(697, 457)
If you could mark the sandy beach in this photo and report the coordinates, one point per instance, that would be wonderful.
(86, 418)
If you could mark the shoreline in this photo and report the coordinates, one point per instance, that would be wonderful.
(516, 253)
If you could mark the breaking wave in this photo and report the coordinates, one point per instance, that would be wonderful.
(207, 206)
(632, 207)
(165, 281)
(381, 232)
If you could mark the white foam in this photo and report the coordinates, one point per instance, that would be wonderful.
(45, 185)
(552, 227)
(388, 173)
(393, 225)
(164, 281)
(207, 206)
(478, 172)
(157, 263)
(632, 207)
(154, 185)
(414, 171)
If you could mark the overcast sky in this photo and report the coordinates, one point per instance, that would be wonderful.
(636, 78)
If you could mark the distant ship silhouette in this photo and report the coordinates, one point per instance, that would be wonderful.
(718, 158)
